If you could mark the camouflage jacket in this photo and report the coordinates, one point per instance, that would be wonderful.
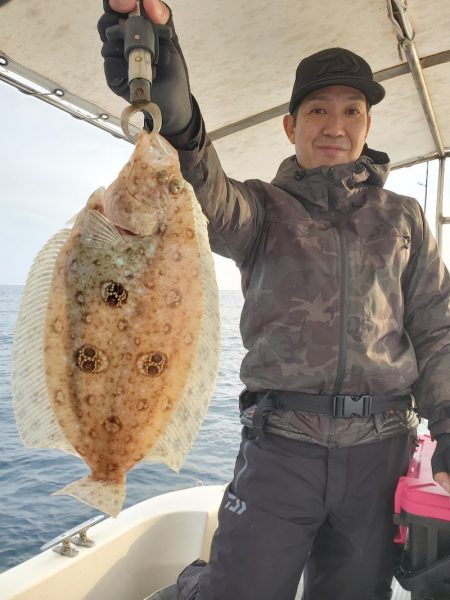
(344, 288)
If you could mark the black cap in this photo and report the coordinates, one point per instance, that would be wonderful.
(334, 66)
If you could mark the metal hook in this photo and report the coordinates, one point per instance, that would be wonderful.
(149, 107)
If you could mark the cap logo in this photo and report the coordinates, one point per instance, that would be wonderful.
(338, 63)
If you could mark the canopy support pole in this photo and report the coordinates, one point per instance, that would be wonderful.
(405, 35)
(440, 219)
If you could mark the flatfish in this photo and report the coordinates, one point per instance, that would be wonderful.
(117, 339)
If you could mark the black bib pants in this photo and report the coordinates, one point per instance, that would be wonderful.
(295, 507)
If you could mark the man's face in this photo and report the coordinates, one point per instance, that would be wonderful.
(330, 128)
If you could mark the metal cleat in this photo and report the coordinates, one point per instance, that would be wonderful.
(62, 544)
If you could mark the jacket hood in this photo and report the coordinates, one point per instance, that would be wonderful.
(344, 180)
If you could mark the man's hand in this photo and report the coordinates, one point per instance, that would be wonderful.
(156, 10)
(170, 88)
(443, 479)
(440, 461)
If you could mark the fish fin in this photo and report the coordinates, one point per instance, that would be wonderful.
(95, 202)
(98, 231)
(182, 430)
(106, 496)
(34, 414)
(73, 219)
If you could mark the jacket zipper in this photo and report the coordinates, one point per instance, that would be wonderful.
(342, 356)
(342, 352)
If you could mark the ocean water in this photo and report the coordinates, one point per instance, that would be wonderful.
(30, 516)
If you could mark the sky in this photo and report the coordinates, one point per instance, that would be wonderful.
(51, 162)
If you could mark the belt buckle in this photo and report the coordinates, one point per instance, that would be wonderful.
(352, 406)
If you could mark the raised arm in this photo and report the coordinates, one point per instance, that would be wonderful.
(234, 209)
(427, 321)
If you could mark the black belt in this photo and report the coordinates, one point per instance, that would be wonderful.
(341, 405)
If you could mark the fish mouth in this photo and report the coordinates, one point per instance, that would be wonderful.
(126, 232)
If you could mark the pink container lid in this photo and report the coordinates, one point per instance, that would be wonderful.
(417, 493)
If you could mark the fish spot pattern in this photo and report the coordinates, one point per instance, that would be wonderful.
(114, 294)
(90, 359)
(112, 425)
(188, 339)
(152, 364)
(90, 400)
(59, 397)
(122, 325)
(162, 177)
(57, 326)
(173, 298)
(175, 187)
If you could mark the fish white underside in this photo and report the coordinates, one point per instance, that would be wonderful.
(35, 417)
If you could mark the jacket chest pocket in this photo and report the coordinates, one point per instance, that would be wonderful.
(388, 247)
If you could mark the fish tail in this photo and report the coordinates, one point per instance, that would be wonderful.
(106, 496)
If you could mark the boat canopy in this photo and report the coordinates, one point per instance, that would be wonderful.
(242, 58)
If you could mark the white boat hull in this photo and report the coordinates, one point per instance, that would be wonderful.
(139, 552)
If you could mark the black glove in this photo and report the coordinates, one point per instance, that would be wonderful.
(440, 461)
(170, 89)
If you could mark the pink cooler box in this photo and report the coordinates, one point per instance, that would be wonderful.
(422, 511)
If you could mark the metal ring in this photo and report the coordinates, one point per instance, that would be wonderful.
(149, 107)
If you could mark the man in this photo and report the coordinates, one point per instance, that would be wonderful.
(346, 314)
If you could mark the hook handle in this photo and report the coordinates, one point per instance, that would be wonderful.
(129, 111)
(141, 50)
